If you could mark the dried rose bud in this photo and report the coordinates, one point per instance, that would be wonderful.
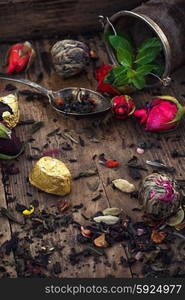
(123, 106)
(10, 144)
(163, 113)
(20, 56)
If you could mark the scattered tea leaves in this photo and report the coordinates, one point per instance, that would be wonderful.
(88, 173)
(36, 126)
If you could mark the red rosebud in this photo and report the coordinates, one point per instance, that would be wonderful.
(122, 106)
(19, 57)
(163, 113)
(100, 76)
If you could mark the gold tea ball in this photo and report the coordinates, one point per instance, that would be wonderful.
(51, 176)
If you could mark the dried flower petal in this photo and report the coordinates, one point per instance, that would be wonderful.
(28, 212)
(63, 205)
(101, 241)
(86, 232)
(158, 236)
(112, 163)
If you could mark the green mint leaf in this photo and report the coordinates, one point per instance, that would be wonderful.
(138, 82)
(116, 76)
(124, 57)
(5, 133)
(144, 70)
(110, 77)
(158, 68)
(120, 42)
(147, 56)
(151, 43)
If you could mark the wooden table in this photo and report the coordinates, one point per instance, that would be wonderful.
(117, 139)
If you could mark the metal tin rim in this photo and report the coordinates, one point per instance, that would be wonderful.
(159, 32)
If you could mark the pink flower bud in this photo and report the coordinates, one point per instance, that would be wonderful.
(163, 113)
(122, 106)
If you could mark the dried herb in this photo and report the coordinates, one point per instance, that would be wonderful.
(97, 197)
(81, 141)
(72, 160)
(101, 241)
(88, 173)
(26, 122)
(6, 213)
(66, 147)
(158, 236)
(176, 154)
(134, 173)
(57, 268)
(10, 87)
(66, 135)
(36, 126)
(53, 132)
(63, 205)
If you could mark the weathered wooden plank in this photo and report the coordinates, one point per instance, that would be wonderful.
(6, 261)
(46, 18)
(80, 192)
(114, 140)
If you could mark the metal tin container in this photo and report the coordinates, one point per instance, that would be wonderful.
(161, 18)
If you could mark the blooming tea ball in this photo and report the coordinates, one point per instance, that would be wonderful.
(69, 57)
(159, 196)
(51, 176)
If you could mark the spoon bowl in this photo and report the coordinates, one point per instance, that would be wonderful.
(71, 94)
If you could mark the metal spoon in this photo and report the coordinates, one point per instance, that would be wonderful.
(102, 104)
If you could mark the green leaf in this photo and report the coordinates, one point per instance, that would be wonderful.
(151, 43)
(158, 68)
(124, 57)
(147, 56)
(115, 73)
(120, 42)
(5, 133)
(144, 70)
(138, 82)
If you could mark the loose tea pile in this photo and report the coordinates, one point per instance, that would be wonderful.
(80, 103)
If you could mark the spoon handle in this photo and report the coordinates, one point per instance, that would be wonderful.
(34, 85)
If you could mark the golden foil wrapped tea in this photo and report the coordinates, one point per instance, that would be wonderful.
(51, 176)
(9, 110)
